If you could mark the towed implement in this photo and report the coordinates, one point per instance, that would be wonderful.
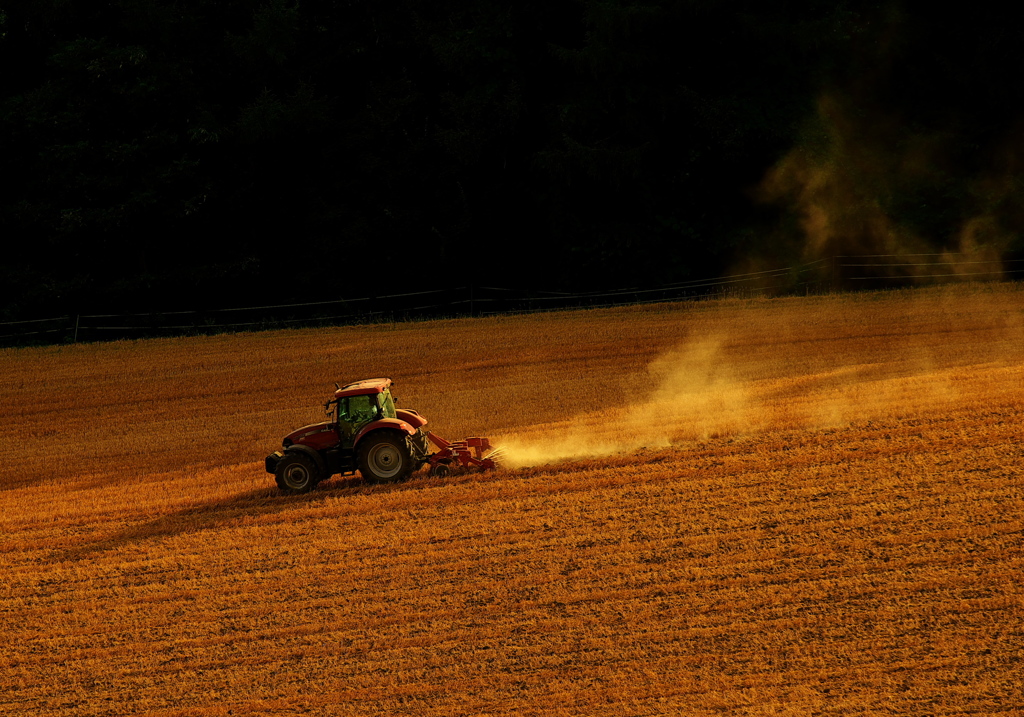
(470, 453)
(366, 432)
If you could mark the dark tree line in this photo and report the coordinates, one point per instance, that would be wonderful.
(168, 154)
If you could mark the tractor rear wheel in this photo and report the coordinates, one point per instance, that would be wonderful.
(420, 449)
(297, 473)
(385, 457)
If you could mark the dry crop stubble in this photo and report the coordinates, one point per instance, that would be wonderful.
(836, 530)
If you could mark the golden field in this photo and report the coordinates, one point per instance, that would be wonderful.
(800, 506)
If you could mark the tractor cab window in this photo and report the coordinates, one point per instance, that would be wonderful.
(387, 405)
(358, 410)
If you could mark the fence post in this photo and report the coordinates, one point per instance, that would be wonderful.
(77, 318)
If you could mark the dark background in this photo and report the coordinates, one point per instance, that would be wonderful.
(174, 155)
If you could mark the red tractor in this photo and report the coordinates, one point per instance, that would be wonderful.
(366, 432)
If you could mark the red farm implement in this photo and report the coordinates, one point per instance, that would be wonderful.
(470, 453)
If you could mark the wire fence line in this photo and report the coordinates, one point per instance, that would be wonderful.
(819, 276)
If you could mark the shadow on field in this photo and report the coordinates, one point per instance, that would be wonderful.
(255, 504)
(16, 482)
(251, 506)
(237, 510)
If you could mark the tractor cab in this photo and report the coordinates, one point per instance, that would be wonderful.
(357, 405)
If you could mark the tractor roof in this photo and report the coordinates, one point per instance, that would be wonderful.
(364, 387)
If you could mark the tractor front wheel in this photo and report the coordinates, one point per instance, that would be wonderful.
(297, 473)
(385, 457)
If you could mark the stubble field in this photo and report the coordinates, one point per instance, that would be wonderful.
(753, 507)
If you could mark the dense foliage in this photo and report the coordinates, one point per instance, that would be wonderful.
(163, 153)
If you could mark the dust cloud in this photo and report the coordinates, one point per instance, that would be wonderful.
(697, 394)
(856, 186)
(701, 394)
(716, 387)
